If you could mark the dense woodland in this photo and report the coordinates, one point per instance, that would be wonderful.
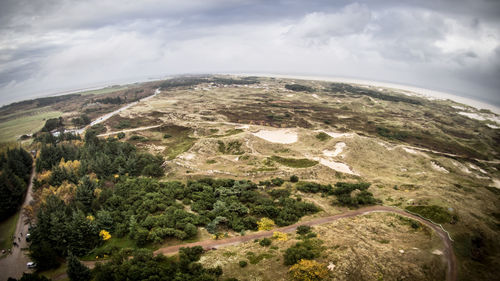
(85, 189)
(15, 171)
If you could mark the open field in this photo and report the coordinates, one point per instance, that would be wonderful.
(27, 124)
(350, 245)
(414, 152)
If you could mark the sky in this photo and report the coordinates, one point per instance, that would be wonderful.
(50, 46)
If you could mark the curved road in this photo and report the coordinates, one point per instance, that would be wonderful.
(14, 265)
(451, 271)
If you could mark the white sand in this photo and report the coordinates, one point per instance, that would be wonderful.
(337, 166)
(438, 168)
(284, 136)
(290, 95)
(437, 252)
(481, 117)
(339, 147)
(461, 167)
(493, 126)
(243, 127)
(315, 96)
(477, 168)
(409, 150)
(496, 183)
(187, 156)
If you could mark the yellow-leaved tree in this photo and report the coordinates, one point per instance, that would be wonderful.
(104, 235)
(308, 270)
(265, 224)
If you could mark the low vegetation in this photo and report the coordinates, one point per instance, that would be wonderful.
(294, 162)
(299, 88)
(435, 213)
(145, 266)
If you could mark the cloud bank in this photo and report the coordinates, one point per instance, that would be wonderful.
(450, 46)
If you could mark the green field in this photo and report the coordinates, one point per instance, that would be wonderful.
(11, 130)
(7, 229)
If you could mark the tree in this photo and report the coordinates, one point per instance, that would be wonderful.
(76, 270)
(294, 178)
(308, 270)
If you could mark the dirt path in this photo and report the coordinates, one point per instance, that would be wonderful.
(14, 265)
(451, 272)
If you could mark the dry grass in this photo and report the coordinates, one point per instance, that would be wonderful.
(361, 248)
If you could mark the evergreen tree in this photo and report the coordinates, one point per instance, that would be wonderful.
(76, 270)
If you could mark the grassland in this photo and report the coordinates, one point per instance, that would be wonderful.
(348, 244)
(7, 230)
(28, 124)
(293, 162)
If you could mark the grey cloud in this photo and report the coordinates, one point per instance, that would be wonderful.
(66, 44)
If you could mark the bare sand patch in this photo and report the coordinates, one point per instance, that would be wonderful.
(315, 96)
(496, 183)
(187, 156)
(438, 168)
(472, 166)
(409, 150)
(339, 147)
(481, 117)
(284, 136)
(337, 166)
(437, 252)
(243, 127)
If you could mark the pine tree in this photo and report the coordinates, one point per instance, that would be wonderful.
(76, 270)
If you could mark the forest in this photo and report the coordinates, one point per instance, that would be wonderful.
(89, 191)
(15, 171)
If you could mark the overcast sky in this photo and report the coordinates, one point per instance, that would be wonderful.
(55, 45)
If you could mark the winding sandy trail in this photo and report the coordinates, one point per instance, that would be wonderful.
(451, 271)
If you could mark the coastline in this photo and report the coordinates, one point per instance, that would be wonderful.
(403, 89)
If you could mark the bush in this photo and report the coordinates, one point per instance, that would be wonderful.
(323, 136)
(308, 270)
(265, 242)
(435, 213)
(303, 229)
(243, 263)
(265, 224)
(298, 88)
(294, 178)
(312, 187)
(308, 249)
(120, 135)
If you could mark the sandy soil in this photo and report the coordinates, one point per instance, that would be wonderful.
(284, 136)
(438, 168)
(337, 166)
